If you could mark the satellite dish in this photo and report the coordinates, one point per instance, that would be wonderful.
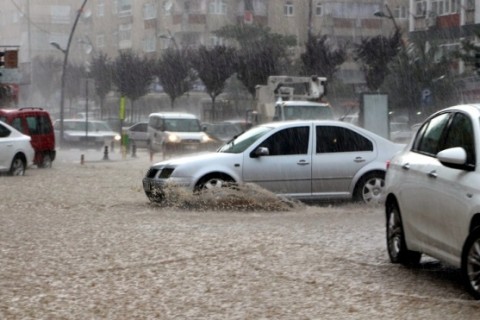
(87, 14)
(167, 5)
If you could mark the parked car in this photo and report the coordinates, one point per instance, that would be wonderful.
(433, 195)
(80, 133)
(176, 132)
(223, 131)
(36, 123)
(16, 151)
(307, 160)
(400, 132)
(138, 134)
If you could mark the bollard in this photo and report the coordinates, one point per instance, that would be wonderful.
(105, 153)
(82, 159)
(112, 145)
(134, 149)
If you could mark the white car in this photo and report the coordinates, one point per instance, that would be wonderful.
(138, 134)
(433, 194)
(16, 151)
(307, 160)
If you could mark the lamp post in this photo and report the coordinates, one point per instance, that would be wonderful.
(64, 68)
(390, 16)
(169, 37)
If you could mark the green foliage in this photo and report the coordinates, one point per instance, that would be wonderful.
(214, 66)
(261, 53)
(132, 75)
(418, 68)
(375, 54)
(102, 73)
(74, 76)
(174, 73)
(319, 59)
(470, 53)
(46, 75)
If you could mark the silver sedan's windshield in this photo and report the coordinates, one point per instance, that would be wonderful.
(245, 140)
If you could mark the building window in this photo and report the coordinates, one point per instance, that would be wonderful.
(125, 36)
(100, 41)
(420, 8)
(217, 7)
(124, 7)
(319, 9)
(100, 8)
(125, 32)
(400, 12)
(216, 41)
(149, 44)
(60, 14)
(149, 11)
(288, 8)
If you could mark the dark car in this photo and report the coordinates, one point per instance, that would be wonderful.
(36, 123)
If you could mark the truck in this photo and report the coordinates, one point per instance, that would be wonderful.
(290, 98)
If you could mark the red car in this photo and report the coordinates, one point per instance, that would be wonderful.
(36, 123)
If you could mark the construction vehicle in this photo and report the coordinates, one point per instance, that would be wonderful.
(290, 98)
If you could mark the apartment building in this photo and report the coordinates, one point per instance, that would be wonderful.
(447, 23)
(150, 26)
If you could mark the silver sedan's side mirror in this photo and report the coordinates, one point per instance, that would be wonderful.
(261, 151)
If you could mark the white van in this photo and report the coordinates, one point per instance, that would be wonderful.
(171, 132)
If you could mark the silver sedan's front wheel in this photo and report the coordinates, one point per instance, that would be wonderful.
(370, 189)
(214, 182)
(471, 263)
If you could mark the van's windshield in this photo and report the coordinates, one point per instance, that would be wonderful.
(182, 125)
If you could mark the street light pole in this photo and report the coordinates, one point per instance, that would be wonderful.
(64, 68)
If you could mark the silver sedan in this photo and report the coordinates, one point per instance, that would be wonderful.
(306, 160)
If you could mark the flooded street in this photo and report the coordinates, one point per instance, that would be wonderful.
(83, 242)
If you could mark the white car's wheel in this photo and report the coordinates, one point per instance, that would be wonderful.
(471, 263)
(396, 246)
(18, 166)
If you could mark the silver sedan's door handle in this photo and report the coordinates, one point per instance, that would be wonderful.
(406, 166)
(432, 174)
(359, 159)
(303, 162)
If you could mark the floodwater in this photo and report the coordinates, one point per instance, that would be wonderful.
(82, 241)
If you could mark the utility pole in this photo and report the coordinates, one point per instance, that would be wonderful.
(64, 69)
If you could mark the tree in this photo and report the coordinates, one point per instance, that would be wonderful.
(375, 54)
(214, 66)
(101, 72)
(420, 80)
(261, 53)
(319, 59)
(132, 75)
(174, 73)
(46, 75)
(75, 73)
